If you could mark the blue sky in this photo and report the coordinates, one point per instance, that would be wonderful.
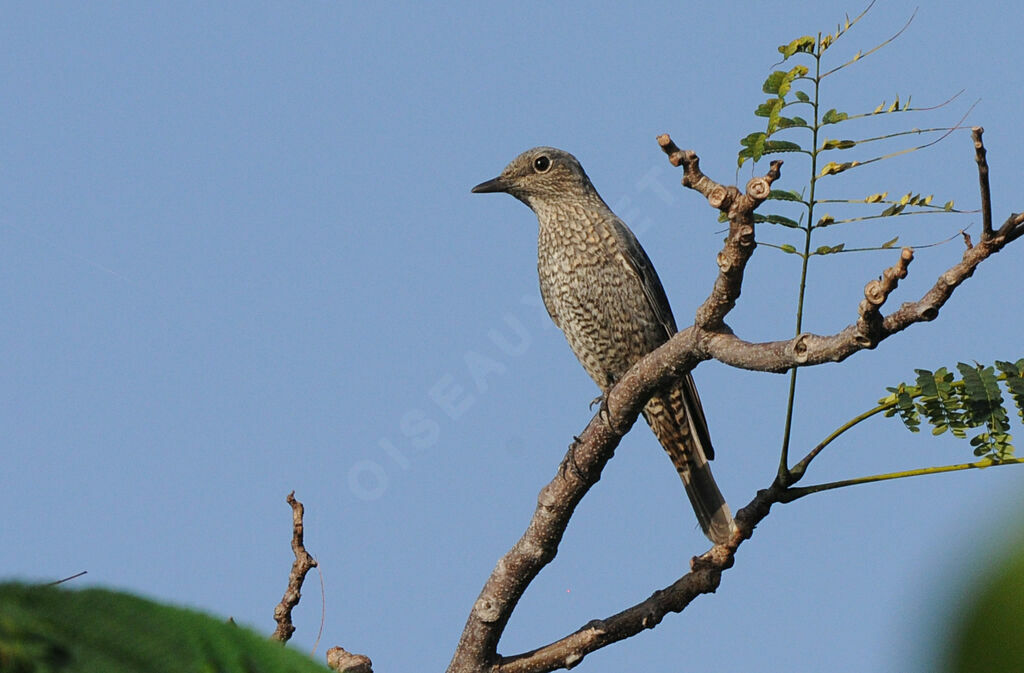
(239, 256)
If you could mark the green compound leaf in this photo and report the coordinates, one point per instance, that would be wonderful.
(975, 401)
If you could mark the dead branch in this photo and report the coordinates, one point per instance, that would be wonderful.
(986, 197)
(303, 563)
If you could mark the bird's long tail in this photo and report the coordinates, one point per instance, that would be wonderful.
(678, 423)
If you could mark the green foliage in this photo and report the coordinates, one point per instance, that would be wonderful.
(984, 403)
(781, 81)
(801, 45)
(957, 406)
(784, 195)
(756, 145)
(50, 630)
(1014, 372)
(833, 116)
(799, 85)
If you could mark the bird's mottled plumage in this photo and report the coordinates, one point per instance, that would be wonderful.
(602, 291)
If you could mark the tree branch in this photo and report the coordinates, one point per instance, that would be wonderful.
(709, 337)
(812, 349)
(740, 244)
(869, 325)
(986, 197)
(303, 564)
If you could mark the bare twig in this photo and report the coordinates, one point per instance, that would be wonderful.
(67, 579)
(303, 563)
(869, 325)
(1012, 228)
(986, 197)
(740, 244)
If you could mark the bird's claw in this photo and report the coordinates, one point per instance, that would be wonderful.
(570, 461)
(604, 412)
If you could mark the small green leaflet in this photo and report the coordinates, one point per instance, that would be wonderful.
(834, 117)
(801, 45)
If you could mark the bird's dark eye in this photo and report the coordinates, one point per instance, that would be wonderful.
(541, 164)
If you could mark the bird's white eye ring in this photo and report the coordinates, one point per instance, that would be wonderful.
(541, 164)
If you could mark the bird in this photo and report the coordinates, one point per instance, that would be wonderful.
(601, 290)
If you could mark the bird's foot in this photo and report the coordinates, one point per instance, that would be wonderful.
(604, 412)
(569, 462)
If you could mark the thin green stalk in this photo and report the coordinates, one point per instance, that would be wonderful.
(798, 470)
(783, 475)
(791, 494)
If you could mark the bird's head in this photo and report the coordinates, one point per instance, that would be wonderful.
(542, 176)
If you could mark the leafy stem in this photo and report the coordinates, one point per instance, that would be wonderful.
(783, 474)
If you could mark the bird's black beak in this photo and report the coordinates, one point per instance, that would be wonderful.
(496, 185)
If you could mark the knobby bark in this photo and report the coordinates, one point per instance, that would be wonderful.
(304, 562)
